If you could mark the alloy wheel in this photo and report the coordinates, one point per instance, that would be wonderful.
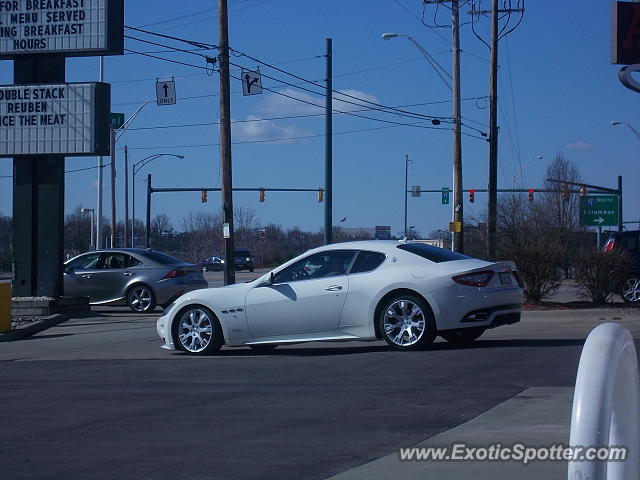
(631, 290)
(195, 330)
(404, 323)
(141, 299)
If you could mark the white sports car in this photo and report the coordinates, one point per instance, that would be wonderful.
(406, 293)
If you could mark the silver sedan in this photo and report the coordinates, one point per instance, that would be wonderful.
(135, 277)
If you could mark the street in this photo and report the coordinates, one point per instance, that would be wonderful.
(96, 397)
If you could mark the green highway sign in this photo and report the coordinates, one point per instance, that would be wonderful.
(599, 210)
(445, 195)
(116, 120)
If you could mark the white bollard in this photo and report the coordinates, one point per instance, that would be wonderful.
(606, 404)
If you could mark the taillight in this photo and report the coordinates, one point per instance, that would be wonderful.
(476, 279)
(175, 273)
(611, 243)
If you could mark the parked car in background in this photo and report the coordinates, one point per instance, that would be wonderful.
(135, 277)
(243, 260)
(406, 293)
(212, 264)
(628, 241)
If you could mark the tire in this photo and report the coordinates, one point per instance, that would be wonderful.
(140, 299)
(399, 316)
(465, 336)
(630, 292)
(196, 331)
(264, 348)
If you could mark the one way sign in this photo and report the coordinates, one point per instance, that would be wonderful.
(251, 82)
(165, 92)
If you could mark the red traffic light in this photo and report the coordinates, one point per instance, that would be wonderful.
(472, 195)
(531, 194)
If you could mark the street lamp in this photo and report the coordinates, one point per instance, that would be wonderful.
(92, 212)
(406, 186)
(453, 83)
(524, 167)
(135, 169)
(635, 132)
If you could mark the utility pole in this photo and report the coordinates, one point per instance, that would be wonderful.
(328, 152)
(493, 136)
(458, 201)
(126, 196)
(113, 187)
(225, 144)
(100, 182)
(406, 187)
(148, 222)
(497, 32)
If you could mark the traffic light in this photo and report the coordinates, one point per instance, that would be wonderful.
(472, 195)
(583, 190)
(531, 194)
(203, 198)
(565, 191)
(320, 195)
(262, 195)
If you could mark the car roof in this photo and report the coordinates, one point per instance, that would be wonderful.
(386, 246)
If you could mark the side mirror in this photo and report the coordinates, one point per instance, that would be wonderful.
(272, 278)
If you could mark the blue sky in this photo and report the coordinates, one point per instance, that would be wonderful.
(558, 92)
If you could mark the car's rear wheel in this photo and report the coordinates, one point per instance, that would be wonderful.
(463, 337)
(141, 299)
(631, 290)
(197, 331)
(406, 323)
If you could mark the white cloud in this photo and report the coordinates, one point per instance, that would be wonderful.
(580, 146)
(258, 129)
(297, 102)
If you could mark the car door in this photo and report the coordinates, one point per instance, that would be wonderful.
(109, 281)
(79, 276)
(305, 297)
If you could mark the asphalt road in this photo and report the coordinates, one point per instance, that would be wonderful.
(97, 398)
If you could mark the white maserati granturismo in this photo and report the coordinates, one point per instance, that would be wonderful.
(406, 293)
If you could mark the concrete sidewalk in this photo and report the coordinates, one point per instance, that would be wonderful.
(538, 416)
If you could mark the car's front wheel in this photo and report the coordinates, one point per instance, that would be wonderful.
(406, 323)
(631, 290)
(463, 337)
(197, 331)
(141, 299)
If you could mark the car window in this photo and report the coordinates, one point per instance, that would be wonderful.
(319, 265)
(114, 260)
(432, 253)
(131, 261)
(367, 261)
(85, 262)
(162, 258)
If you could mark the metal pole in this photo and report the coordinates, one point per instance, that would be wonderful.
(113, 187)
(93, 218)
(225, 142)
(148, 231)
(126, 197)
(133, 205)
(328, 151)
(619, 203)
(100, 167)
(406, 185)
(458, 201)
(493, 136)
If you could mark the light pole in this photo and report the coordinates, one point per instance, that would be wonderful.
(406, 186)
(92, 212)
(453, 83)
(135, 169)
(635, 132)
(523, 168)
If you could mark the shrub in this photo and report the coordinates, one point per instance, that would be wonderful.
(600, 274)
(538, 267)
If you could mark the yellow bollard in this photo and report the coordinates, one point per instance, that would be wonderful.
(5, 307)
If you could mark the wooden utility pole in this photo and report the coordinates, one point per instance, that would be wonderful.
(126, 197)
(493, 136)
(225, 144)
(458, 200)
(328, 152)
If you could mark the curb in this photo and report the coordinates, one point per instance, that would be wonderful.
(34, 328)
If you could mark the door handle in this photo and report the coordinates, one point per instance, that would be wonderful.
(128, 274)
(85, 276)
(334, 288)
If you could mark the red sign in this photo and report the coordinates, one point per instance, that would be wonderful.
(625, 33)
